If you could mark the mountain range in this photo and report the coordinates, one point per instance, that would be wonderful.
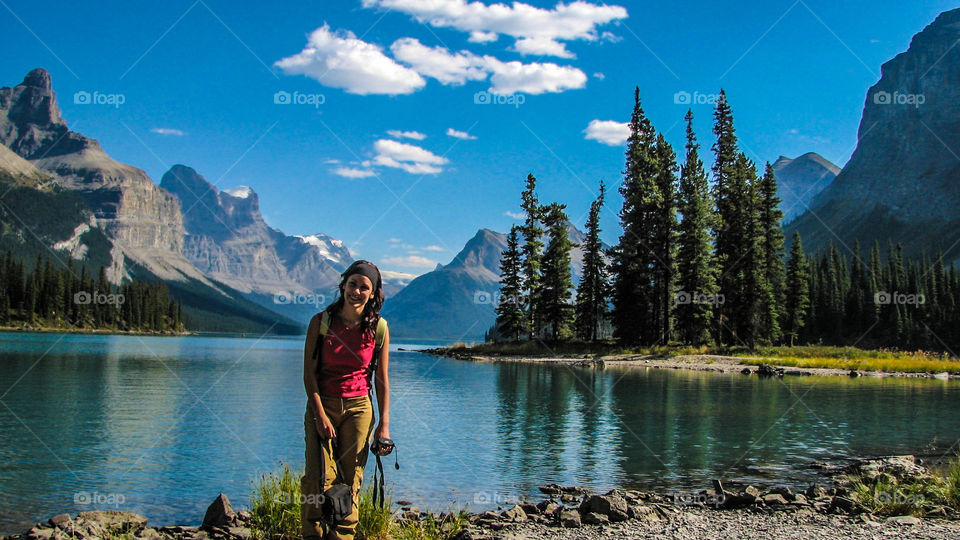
(65, 197)
(901, 183)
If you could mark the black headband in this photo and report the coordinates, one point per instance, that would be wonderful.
(364, 269)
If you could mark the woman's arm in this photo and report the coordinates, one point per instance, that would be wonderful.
(324, 426)
(382, 384)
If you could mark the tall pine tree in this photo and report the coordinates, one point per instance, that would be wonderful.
(771, 254)
(696, 279)
(554, 294)
(532, 247)
(633, 257)
(797, 297)
(663, 236)
(591, 303)
(511, 322)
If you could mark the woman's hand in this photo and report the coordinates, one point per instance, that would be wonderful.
(325, 427)
(382, 432)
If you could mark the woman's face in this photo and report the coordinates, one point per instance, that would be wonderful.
(357, 291)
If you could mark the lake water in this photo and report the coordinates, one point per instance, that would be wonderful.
(161, 425)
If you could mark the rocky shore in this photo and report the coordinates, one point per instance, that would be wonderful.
(696, 362)
(779, 512)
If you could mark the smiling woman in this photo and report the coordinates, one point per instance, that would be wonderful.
(346, 345)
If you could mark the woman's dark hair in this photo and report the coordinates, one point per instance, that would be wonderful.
(371, 311)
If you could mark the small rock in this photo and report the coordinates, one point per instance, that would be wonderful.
(243, 533)
(843, 503)
(745, 371)
(570, 519)
(149, 533)
(60, 521)
(38, 533)
(112, 520)
(904, 520)
(219, 513)
(567, 498)
(515, 514)
(595, 518)
(751, 490)
(942, 376)
(816, 492)
(530, 508)
(799, 500)
(549, 508)
(611, 505)
(774, 499)
(783, 490)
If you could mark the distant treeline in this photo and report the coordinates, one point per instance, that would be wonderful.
(702, 263)
(70, 298)
(882, 303)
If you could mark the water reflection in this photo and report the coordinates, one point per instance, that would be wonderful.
(170, 422)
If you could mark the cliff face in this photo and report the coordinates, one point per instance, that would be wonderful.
(227, 238)
(901, 182)
(128, 206)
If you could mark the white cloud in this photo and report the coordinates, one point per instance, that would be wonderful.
(397, 134)
(482, 37)
(608, 132)
(460, 134)
(534, 78)
(542, 46)
(412, 168)
(168, 131)
(515, 215)
(410, 261)
(438, 62)
(408, 157)
(349, 172)
(406, 152)
(434, 248)
(537, 30)
(507, 77)
(340, 60)
(599, 75)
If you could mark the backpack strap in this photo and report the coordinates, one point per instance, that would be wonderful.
(324, 328)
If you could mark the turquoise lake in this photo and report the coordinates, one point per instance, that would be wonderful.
(161, 425)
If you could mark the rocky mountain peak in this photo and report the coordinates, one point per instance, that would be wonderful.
(900, 183)
(30, 120)
(38, 78)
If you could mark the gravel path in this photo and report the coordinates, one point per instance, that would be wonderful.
(708, 523)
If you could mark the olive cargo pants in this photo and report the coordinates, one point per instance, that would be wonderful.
(352, 419)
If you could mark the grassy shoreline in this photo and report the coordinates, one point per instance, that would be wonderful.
(810, 357)
(103, 331)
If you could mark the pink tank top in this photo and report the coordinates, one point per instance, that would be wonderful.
(346, 355)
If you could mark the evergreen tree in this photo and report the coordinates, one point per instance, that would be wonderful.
(554, 295)
(591, 303)
(728, 222)
(532, 246)
(771, 245)
(797, 301)
(663, 235)
(696, 282)
(632, 258)
(510, 317)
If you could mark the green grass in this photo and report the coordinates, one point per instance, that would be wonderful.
(924, 495)
(801, 356)
(275, 513)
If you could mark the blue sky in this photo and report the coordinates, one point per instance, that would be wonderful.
(200, 81)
